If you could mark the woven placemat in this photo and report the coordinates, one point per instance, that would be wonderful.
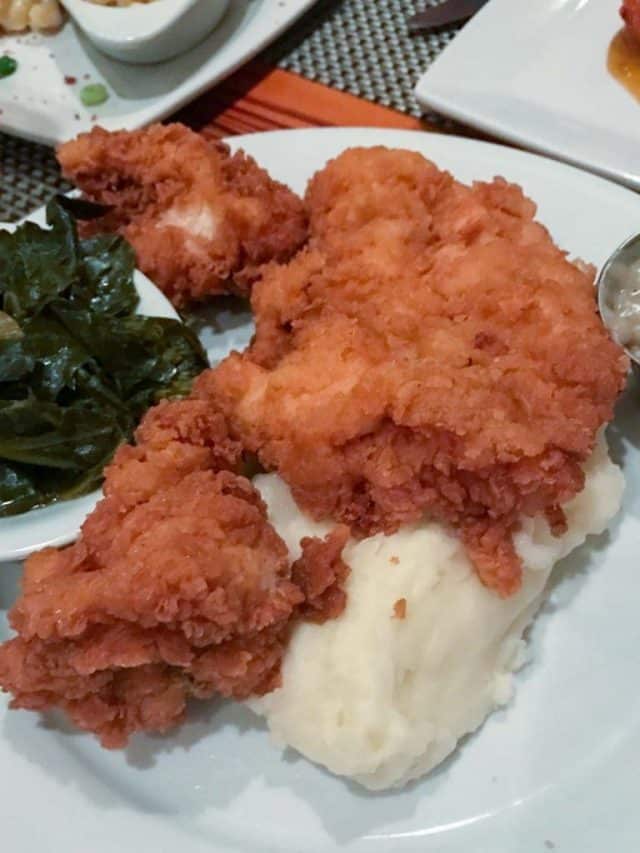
(363, 47)
(358, 46)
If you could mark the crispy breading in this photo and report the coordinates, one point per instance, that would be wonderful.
(201, 220)
(431, 350)
(177, 587)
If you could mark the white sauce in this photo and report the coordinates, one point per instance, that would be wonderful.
(620, 305)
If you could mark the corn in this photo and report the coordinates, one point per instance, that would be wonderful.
(17, 15)
(45, 15)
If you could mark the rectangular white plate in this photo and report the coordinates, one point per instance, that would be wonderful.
(38, 104)
(536, 73)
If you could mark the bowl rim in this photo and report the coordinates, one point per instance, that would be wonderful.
(128, 25)
(605, 311)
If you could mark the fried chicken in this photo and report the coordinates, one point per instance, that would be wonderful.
(430, 351)
(177, 587)
(630, 13)
(201, 220)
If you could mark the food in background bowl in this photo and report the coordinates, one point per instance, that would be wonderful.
(136, 34)
(19, 15)
(117, 2)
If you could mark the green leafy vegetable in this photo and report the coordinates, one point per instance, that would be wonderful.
(108, 265)
(7, 65)
(78, 367)
(17, 492)
(37, 264)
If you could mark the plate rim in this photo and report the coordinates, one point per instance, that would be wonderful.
(558, 165)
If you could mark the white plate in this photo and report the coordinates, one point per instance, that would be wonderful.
(59, 523)
(38, 104)
(559, 765)
(536, 73)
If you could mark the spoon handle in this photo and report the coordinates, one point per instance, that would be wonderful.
(448, 12)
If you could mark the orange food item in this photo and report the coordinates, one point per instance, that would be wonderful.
(400, 608)
(177, 587)
(431, 350)
(201, 220)
(630, 13)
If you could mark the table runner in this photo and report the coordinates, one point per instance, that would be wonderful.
(361, 48)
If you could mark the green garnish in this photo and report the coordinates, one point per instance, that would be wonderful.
(93, 94)
(7, 65)
(78, 366)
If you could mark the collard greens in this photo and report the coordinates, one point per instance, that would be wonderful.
(78, 366)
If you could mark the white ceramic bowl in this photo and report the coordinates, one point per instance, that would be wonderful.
(147, 32)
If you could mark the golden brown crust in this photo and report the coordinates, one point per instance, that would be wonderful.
(202, 221)
(178, 586)
(321, 574)
(431, 350)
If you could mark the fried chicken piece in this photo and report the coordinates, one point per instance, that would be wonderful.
(431, 350)
(177, 587)
(630, 13)
(201, 220)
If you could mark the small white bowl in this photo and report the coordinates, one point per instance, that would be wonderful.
(147, 32)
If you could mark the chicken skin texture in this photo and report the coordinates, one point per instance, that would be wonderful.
(630, 13)
(430, 351)
(201, 220)
(178, 586)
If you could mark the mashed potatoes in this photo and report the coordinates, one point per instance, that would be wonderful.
(382, 699)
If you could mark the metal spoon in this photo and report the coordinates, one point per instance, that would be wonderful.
(449, 12)
(618, 290)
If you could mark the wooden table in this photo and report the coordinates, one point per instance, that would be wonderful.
(257, 98)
